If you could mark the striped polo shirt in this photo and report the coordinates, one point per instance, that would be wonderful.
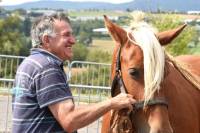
(40, 81)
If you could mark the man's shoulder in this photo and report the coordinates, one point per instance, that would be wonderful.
(34, 64)
(38, 61)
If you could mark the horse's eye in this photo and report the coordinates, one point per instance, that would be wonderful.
(134, 72)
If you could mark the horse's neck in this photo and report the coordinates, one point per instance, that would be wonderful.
(180, 93)
(184, 71)
(176, 82)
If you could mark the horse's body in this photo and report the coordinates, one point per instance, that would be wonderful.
(182, 94)
(192, 62)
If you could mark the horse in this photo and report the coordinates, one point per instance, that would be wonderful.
(167, 93)
(192, 62)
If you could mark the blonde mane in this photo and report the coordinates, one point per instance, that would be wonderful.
(154, 56)
(154, 59)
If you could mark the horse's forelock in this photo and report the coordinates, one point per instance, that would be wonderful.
(154, 58)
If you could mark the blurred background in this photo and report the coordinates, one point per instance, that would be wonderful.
(89, 71)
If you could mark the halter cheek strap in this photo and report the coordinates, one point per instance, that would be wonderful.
(118, 77)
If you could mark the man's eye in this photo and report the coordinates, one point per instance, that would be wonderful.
(66, 35)
(134, 72)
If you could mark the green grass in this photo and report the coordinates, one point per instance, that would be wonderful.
(196, 50)
(104, 45)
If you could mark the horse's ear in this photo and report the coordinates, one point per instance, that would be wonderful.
(166, 37)
(116, 32)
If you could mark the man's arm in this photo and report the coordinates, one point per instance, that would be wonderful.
(72, 118)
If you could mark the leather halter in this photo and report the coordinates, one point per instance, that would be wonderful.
(119, 80)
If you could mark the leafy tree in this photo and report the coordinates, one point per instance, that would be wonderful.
(80, 52)
(85, 38)
(12, 40)
(26, 26)
(20, 11)
(180, 44)
(83, 30)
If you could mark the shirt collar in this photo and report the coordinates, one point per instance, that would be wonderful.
(49, 54)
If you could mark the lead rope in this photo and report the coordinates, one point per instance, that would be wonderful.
(121, 122)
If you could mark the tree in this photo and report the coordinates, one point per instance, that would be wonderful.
(83, 30)
(12, 40)
(85, 38)
(80, 52)
(26, 26)
(169, 21)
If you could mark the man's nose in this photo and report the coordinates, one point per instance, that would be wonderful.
(72, 40)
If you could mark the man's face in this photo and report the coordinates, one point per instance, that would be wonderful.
(61, 44)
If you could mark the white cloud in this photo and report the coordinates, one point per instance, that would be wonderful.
(16, 2)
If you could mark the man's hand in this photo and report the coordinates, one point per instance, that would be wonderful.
(123, 101)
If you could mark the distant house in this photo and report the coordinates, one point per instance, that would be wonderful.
(101, 30)
(193, 12)
(44, 12)
(85, 18)
(105, 31)
(3, 13)
(192, 21)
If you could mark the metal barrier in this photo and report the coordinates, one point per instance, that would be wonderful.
(8, 65)
(89, 73)
(89, 83)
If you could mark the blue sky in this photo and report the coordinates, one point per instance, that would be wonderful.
(15, 2)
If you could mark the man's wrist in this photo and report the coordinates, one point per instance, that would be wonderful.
(111, 103)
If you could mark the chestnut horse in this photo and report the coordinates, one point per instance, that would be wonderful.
(192, 62)
(168, 94)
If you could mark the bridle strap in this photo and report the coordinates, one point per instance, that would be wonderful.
(118, 76)
(118, 63)
(157, 101)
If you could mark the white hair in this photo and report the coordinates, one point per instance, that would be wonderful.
(154, 57)
(45, 26)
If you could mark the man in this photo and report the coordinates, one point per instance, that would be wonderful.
(43, 101)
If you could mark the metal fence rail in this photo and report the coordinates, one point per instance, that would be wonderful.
(5, 106)
(89, 73)
(89, 83)
(8, 65)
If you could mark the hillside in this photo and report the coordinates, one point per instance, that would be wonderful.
(145, 5)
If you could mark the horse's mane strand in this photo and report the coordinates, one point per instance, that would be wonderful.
(153, 56)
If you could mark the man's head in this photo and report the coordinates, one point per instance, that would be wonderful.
(54, 34)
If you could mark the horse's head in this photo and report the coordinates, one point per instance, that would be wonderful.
(142, 62)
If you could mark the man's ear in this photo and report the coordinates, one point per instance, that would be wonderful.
(117, 33)
(45, 40)
(166, 37)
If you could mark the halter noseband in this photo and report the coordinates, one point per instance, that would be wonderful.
(118, 78)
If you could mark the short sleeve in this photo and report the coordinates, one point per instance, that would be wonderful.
(51, 86)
